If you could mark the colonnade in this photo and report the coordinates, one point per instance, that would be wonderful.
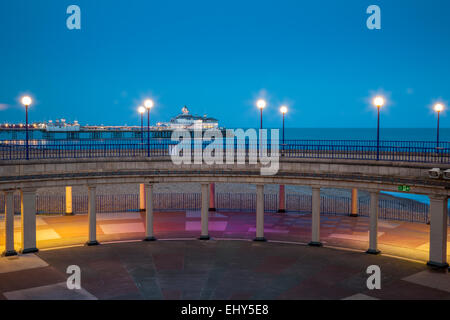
(438, 213)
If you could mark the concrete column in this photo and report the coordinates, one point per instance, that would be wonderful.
(9, 224)
(212, 197)
(69, 210)
(354, 212)
(92, 216)
(142, 197)
(204, 212)
(438, 232)
(149, 213)
(260, 213)
(282, 200)
(28, 208)
(315, 232)
(373, 223)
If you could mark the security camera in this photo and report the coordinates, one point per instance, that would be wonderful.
(447, 174)
(434, 173)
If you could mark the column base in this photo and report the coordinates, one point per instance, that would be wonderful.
(149, 239)
(9, 253)
(204, 237)
(260, 239)
(212, 209)
(29, 250)
(353, 215)
(68, 214)
(92, 243)
(315, 244)
(373, 251)
(281, 211)
(438, 265)
(141, 210)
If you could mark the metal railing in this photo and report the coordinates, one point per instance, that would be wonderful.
(408, 151)
(411, 211)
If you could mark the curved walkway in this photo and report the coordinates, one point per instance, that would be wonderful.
(403, 239)
(216, 270)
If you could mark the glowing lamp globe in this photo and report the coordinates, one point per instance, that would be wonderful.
(141, 109)
(261, 104)
(148, 104)
(438, 107)
(26, 101)
(378, 101)
(283, 109)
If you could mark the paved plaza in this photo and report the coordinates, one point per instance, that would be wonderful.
(230, 266)
(216, 269)
(404, 239)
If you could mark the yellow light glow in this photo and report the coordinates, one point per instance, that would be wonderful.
(261, 103)
(141, 109)
(378, 101)
(438, 107)
(283, 109)
(148, 103)
(26, 100)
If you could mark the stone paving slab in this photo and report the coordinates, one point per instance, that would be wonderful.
(21, 262)
(56, 291)
(221, 269)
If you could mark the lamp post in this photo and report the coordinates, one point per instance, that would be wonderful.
(261, 104)
(378, 102)
(26, 101)
(148, 105)
(141, 110)
(438, 107)
(283, 110)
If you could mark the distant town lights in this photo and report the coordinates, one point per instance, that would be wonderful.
(148, 104)
(261, 103)
(283, 109)
(378, 101)
(438, 107)
(26, 101)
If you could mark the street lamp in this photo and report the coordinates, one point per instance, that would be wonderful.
(261, 104)
(283, 110)
(26, 101)
(141, 110)
(378, 102)
(148, 105)
(438, 107)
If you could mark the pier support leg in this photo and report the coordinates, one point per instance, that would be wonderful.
(204, 212)
(69, 210)
(28, 208)
(149, 213)
(373, 223)
(212, 197)
(141, 197)
(260, 213)
(315, 232)
(438, 232)
(9, 224)
(354, 212)
(92, 216)
(282, 199)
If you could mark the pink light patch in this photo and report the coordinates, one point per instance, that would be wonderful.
(212, 225)
(269, 230)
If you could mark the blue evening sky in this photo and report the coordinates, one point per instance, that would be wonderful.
(218, 57)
